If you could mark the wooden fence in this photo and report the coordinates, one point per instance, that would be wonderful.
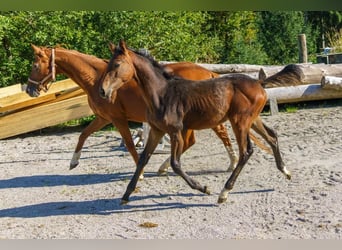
(66, 101)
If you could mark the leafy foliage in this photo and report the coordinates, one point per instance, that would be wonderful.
(198, 36)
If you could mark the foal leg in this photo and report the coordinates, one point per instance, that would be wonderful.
(94, 126)
(176, 151)
(123, 128)
(271, 137)
(153, 139)
(189, 140)
(222, 133)
(245, 151)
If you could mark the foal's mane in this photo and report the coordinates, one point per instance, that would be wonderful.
(156, 65)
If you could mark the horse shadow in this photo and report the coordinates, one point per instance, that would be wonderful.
(37, 181)
(99, 207)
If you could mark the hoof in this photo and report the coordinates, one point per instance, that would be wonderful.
(206, 190)
(288, 176)
(73, 165)
(123, 202)
(221, 200)
(162, 172)
(287, 173)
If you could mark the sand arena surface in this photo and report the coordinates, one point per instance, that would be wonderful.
(41, 198)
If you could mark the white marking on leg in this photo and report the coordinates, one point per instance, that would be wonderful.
(233, 158)
(163, 168)
(223, 196)
(287, 173)
(74, 161)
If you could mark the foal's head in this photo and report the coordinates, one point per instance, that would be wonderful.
(42, 72)
(120, 70)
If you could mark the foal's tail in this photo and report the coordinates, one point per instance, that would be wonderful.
(259, 143)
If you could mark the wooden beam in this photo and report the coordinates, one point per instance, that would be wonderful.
(10, 90)
(10, 102)
(44, 116)
(22, 100)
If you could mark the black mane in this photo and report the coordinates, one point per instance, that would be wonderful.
(146, 54)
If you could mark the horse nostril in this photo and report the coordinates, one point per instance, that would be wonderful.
(102, 93)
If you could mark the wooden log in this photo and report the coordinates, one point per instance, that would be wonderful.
(298, 74)
(229, 68)
(44, 116)
(309, 92)
(251, 74)
(331, 82)
(266, 72)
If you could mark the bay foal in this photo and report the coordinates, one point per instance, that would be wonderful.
(178, 106)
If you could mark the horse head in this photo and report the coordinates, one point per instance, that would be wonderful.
(120, 70)
(42, 72)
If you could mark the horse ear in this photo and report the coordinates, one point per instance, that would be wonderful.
(122, 45)
(37, 50)
(111, 47)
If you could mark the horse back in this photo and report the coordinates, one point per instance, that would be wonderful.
(189, 70)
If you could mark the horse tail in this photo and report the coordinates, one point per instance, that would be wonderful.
(259, 143)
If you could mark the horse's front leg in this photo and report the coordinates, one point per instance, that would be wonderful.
(94, 126)
(176, 151)
(153, 139)
(123, 128)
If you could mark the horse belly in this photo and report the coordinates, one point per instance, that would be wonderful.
(199, 121)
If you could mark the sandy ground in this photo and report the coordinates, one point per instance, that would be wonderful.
(41, 198)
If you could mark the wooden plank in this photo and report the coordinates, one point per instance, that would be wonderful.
(10, 90)
(22, 99)
(63, 85)
(10, 103)
(44, 116)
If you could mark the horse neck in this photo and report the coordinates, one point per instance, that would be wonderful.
(82, 71)
(151, 82)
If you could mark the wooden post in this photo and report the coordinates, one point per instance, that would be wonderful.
(303, 52)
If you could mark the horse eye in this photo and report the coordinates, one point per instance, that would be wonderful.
(116, 65)
(36, 66)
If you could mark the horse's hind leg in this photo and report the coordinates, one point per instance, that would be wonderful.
(94, 126)
(245, 151)
(176, 151)
(152, 142)
(222, 133)
(189, 140)
(271, 137)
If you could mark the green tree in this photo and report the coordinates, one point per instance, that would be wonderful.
(278, 32)
(238, 33)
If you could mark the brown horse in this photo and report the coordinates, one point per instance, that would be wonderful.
(86, 70)
(177, 106)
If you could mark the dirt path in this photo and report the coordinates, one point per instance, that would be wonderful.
(41, 198)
